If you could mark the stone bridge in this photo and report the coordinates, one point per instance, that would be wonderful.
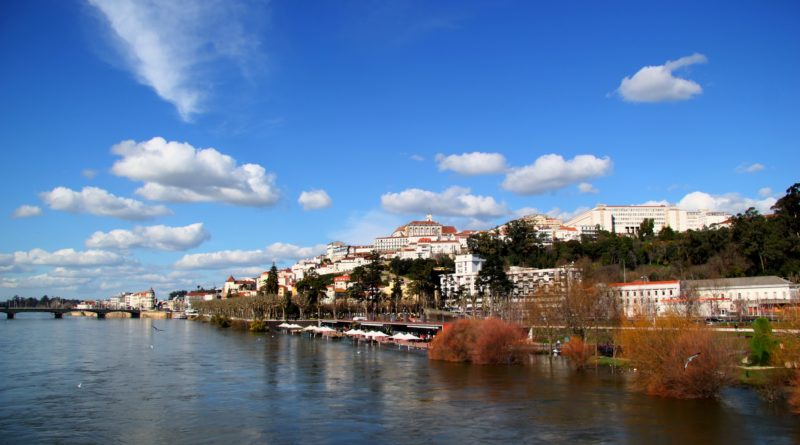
(59, 312)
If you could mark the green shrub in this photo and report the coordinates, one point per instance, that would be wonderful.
(763, 344)
(222, 321)
(258, 326)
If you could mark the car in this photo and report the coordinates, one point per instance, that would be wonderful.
(359, 318)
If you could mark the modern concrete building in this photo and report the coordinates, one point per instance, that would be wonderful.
(627, 219)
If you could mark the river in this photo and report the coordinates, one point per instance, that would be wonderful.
(83, 380)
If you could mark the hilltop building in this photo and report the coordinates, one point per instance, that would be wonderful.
(627, 219)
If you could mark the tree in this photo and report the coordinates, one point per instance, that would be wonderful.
(271, 285)
(763, 344)
(646, 229)
(310, 289)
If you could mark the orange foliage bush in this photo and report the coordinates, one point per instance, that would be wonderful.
(477, 341)
(577, 352)
(659, 353)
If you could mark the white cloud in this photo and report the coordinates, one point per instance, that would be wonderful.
(27, 211)
(99, 202)
(729, 202)
(176, 47)
(765, 192)
(525, 211)
(552, 172)
(89, 173)
(417, 158)
(455, 201)
(67, 258)
(654, 202)
(657, 84)
(231, 258)
(179, 172)
(475, 163)
(314, 199)
(565, 215)
(750, 168)
(585, 187)
(152, 237)
(362, 228)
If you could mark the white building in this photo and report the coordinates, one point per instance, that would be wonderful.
(528, 280)
(144, 300)
(465, 277)
(750, 296)
(722, 298)
(525, 280)
(627, 219)
(245, 287)
(648, 298)
(419, 233)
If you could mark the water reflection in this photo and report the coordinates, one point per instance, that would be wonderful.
(202, 384)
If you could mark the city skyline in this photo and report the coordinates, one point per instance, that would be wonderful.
(138, 137)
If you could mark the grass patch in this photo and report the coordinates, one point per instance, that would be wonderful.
(611, 361)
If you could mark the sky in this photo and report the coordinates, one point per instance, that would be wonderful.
(170, 144)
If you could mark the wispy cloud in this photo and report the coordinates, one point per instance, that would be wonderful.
(750, 168)
(27, 211)
(585, 187)
(232, 258)
(178, 172)
(658, 84)
(175, 47)
(474, 163)
(96, 201)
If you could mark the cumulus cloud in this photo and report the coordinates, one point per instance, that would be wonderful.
(750, 168)
(585, 187)
(729, 202)
(176, 47)
(658, 84)
(179, 172)
(455, 201)
(27, 211)
(231, 258)
(96, 201)
(153, 237)
(67, 258)
(765, 192)
(314, 199)
(552, 172)
(475, 163)
(88, 173)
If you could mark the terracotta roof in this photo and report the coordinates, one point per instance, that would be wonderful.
(231, 279)
(449, 229)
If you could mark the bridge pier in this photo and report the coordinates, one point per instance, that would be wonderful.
(100, 315)
(10, 315)
(134, 314)
(58, 315)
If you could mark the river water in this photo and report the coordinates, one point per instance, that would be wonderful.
(83, 380)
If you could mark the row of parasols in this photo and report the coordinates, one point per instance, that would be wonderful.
(375, 335)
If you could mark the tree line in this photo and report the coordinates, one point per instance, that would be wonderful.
(43, 302)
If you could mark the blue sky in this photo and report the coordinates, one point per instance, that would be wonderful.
(168, 145)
